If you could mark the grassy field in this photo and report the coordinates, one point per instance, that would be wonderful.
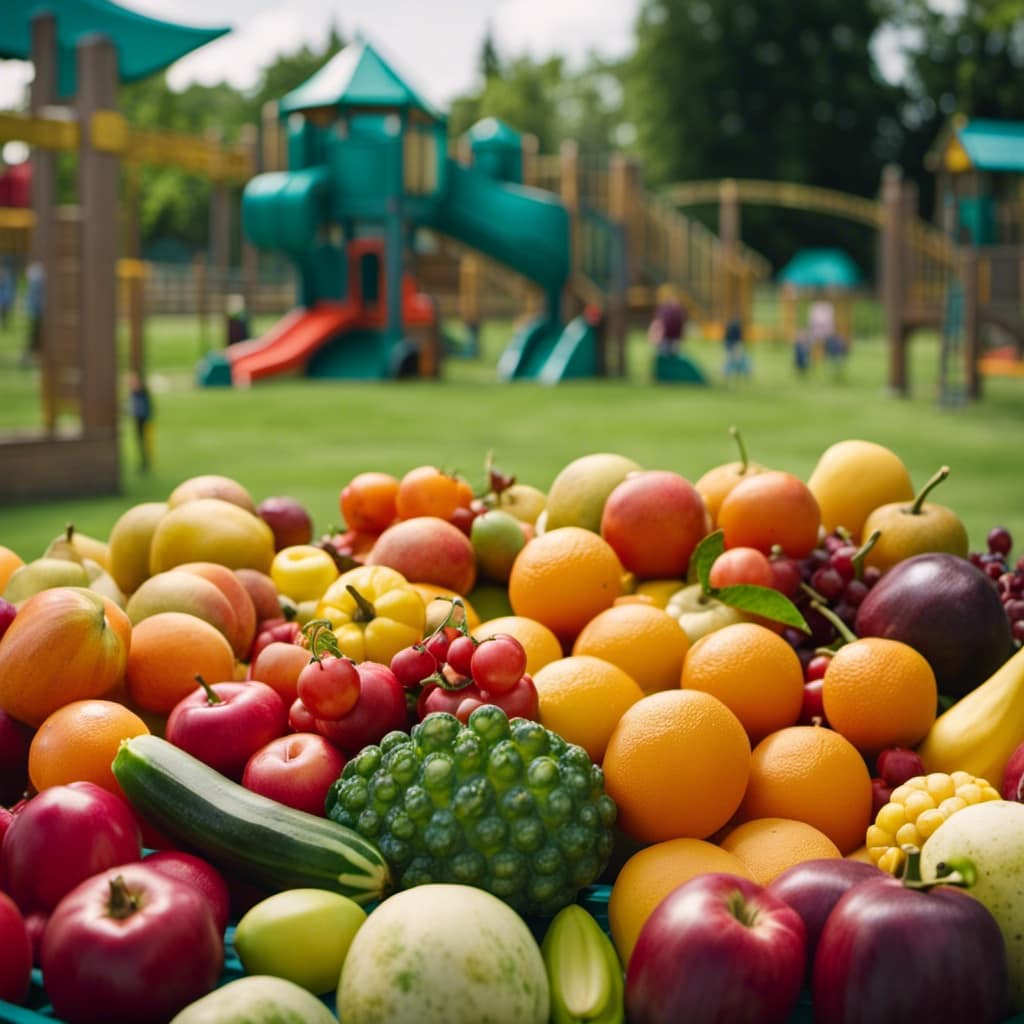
(308, 438)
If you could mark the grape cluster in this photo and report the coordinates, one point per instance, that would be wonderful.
(1007, 576)
(831, 575)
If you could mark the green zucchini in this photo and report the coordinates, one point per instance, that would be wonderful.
(246, 834)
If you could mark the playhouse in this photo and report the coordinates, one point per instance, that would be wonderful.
(368, 166)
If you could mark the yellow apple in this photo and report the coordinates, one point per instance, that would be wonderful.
(303, 572)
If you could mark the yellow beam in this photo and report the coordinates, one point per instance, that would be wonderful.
(16, 218)
(40, 132)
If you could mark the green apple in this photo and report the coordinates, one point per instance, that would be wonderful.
(700, 614)
(497, 537)
(302, 935)
(986, 841)
(303, 572)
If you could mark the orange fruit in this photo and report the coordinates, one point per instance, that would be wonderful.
(583, 698)
(753, 671)
(677, 766)
(642, 639)
(540, 644)
(771, 508)
(367, 502)
(9, 561)
(813, 774)
(854, 477)
(768, 846)
(563, 578)
(427, 491)
(78, 743)
(168, 651)
(651, 874)
(879, 693)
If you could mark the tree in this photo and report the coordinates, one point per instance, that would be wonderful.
(731, 88)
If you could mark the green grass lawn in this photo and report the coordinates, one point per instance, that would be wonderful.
(308, 438)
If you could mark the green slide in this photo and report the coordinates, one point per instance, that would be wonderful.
(527, 230)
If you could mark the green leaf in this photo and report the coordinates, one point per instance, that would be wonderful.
(763, 601)
(704, 555)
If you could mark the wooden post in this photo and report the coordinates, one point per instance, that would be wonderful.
(893, 272)
(531, 147)
(969, 275)
(729, 237)
(249, 254)
(202, 300)
(622, 190)
(569, 191)
(272, 147)
(98, 196)
(220, 237)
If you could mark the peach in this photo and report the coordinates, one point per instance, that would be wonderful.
(235, 591)
(426, 549)
(184, 592)
(262, 591)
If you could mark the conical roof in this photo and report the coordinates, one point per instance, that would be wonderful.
(144, 45)
(358, 76)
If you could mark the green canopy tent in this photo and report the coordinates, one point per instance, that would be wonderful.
(144, 45)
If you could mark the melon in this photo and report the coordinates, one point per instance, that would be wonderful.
(444, 954)
(257, 999)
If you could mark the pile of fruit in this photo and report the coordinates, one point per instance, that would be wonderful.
(746, 748)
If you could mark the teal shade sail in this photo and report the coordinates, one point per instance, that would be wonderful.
(821, 268)
(144, 45)
(994, 145)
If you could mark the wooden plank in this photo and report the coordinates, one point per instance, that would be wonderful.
(37, 468)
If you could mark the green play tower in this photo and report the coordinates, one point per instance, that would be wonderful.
(367, 166)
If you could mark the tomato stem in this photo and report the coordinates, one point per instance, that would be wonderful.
(320, 634)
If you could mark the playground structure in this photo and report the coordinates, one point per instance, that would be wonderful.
(77, 452)
(930, 276)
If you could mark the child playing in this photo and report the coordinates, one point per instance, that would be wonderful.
(736, 362)
(668, 326)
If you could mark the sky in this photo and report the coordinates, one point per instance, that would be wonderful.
(435, 44)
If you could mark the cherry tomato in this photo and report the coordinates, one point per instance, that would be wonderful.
(329, 687)
(379, 710)
(519, 702)
(498, 663)
(460, 654)
(412, 665)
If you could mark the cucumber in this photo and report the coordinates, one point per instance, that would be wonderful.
(244, 833)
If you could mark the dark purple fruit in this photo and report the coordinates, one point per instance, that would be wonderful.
(948, 610)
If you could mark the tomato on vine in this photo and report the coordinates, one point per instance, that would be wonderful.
(329, 685)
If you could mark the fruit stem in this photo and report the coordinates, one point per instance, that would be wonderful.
(840, 627)
(320, 634)
(735, 434)
(915, 509)
(862, 553)
(122, 903)
(212, 697)
(365, 612)
(462, 625)
(69, 532)
(958, 871)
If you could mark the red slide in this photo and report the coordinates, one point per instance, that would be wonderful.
(290, 343)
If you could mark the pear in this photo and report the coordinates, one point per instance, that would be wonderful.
(75, 546)
(103, 583)
(42, 574)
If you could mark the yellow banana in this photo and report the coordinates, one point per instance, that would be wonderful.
(583, 969)
(981, 730)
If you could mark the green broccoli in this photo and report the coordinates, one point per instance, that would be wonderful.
(507, 806)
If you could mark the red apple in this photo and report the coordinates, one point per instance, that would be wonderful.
(295, 770)
(201, 875)
(16, 962)
(36, 925)
(223, 724)
(288, 520)
(895, 765)
(427, 549)
(14, 741)
(62, 836)
(813, 887)
(1013, 776)
(719, 949)
(653, 520)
